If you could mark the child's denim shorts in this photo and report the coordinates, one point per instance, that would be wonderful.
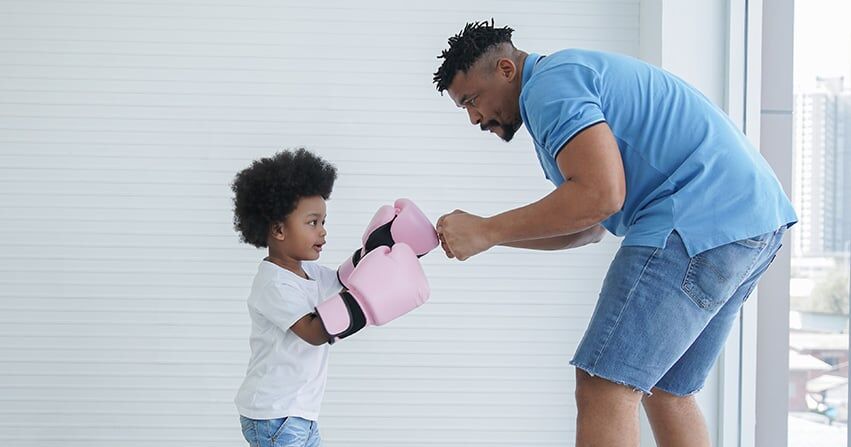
(284, 432)
(662, 317)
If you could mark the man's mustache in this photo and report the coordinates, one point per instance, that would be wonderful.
(488, 125)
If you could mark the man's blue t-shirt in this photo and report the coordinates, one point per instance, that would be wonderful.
(688, 168)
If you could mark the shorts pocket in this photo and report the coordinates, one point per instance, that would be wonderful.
(714, 275)
(277, 428)
(291, 433)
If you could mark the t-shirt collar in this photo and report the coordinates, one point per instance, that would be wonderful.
(529, 67)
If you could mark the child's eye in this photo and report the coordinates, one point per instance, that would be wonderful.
(312, 222)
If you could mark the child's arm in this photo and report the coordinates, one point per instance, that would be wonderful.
(310, 329)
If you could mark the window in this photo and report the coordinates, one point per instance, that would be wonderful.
(819, 283)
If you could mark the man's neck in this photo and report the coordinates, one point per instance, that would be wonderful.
(521, 61)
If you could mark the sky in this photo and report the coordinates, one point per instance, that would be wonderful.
(822, 41)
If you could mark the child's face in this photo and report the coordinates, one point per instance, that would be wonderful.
(305, 229)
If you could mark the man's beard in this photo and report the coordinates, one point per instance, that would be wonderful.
(508, 130)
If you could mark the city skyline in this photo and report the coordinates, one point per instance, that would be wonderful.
(822, 168)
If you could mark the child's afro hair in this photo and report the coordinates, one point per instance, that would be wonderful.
(266, 192)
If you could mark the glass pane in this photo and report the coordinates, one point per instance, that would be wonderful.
(821, 241)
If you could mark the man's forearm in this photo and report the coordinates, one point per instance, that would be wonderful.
(589, 236)
(568, 210)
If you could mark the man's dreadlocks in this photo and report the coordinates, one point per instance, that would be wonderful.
(466, 47)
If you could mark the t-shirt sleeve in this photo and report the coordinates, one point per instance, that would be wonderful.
(561, 102)
(282, 304)
(329, 283)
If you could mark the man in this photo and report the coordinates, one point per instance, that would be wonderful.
(636, 151)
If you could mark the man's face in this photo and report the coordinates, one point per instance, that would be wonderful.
(490, 95)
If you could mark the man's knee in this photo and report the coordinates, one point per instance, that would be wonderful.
(663, 399)
(592, 391)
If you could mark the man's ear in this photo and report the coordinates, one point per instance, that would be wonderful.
(506, 68)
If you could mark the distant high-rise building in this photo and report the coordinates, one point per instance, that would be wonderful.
(822, 169)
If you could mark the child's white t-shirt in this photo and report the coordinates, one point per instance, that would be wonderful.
(286, 375)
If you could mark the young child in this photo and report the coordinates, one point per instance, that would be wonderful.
(296, 306)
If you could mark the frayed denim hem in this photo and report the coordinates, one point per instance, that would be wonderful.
(625, 383)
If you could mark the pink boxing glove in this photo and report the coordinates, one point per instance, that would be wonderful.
(386, 284)
(403, 222)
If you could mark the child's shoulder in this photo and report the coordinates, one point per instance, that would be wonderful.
(325, 276)
(272, 281)
(316, 270)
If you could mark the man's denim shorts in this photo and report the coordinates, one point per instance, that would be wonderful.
(662, 317)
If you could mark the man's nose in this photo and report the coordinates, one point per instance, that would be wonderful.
(475, 117)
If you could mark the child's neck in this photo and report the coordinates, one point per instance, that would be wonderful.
(286, 262)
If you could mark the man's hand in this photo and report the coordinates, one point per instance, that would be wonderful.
(463, 235)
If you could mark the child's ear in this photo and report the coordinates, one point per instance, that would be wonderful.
(278, 231)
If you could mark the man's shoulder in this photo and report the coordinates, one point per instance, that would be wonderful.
(577, 62)
(594, 60)
(565, 68)
(578, 56)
